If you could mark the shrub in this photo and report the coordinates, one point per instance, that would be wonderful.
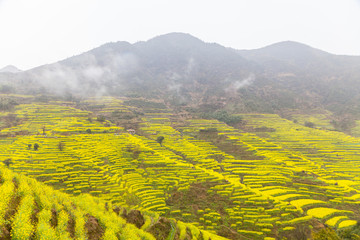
(36, 146)
(324, 234)
(223, 116)
(309, 124)
(100, 118)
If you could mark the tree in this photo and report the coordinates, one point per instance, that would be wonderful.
(36, 146)
(6, 89)
(61, 146)
(160, 139)
(309, 124)
(7, 162)
(101, 118)
(223, 116)
(7, 104)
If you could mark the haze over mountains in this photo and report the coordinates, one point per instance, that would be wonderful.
(9, 69)
(185, 71)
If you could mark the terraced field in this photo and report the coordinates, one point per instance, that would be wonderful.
(268, 181)
(32, 210)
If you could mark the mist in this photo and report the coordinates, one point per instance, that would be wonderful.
(235, 86)
(85, 74)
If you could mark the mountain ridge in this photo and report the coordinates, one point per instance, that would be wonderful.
(183, 70)
(10, 69)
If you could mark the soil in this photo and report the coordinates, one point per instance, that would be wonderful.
(224, 144)
(11, 211)
(197, 197)
(134, 217)
(117, 210)
(229, 233)
(34, 217)
(309, 180)
(54, 218)
(189, 235)
(200, 237)
(301, 232)
(94, 229)
(5, 233)
(71, 226)
(161, 229)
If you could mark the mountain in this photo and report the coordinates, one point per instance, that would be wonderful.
(285, 55)
(299, 57)
(184, 71)
(285, 51)
(174, 64)
(311, 76)
(171, 148)
(10, 69)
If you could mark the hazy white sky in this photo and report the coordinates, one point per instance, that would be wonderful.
(36, 32)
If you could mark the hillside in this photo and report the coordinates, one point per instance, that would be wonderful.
(299, 57)
(190, 74)
(328, 81)
(32, 210)
(270, 179)
(203, 141)
(170, 63)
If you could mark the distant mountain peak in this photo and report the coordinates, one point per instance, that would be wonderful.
(10, 69)
(176, 36)
(289, 43)
(175, 39)
(289, 52)
(292, 46)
